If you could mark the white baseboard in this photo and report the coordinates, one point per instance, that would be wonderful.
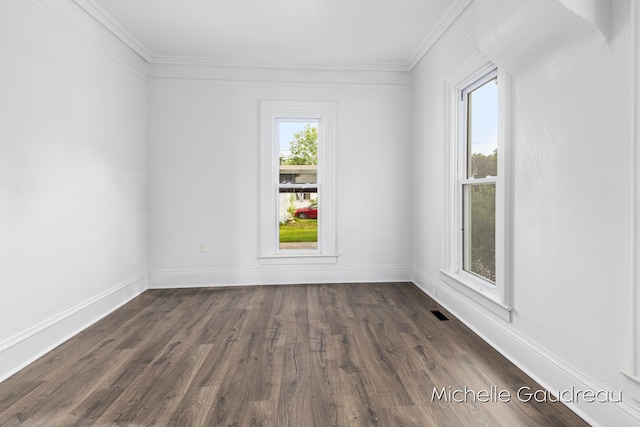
(550, 372)
(424, 282)
(24, 348)
(277, 275)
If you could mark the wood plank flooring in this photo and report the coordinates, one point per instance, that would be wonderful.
(299, 355)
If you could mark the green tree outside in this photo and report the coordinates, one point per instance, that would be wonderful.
(483, 216)
(482, 165)
(303, 149)
(483, 231)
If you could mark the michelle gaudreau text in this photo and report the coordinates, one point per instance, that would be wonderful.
(524, 394)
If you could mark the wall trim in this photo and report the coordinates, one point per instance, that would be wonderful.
(393, 84)
(419, 77)
(550, 372)
(110, 24)
(140, 69)
(424, 281)
(24, 348)
(280, 64)
(440, 29)
(211, 71)
(634, 368)
(277, 275)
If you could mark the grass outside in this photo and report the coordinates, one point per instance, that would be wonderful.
(302, 230)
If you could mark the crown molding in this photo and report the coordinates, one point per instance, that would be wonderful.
(67, 14)
(279, 64)
(108, 22)
(443, 25)
(168, 73)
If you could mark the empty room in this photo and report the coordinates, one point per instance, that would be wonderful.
(320, 213)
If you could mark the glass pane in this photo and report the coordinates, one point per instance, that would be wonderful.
(298, 227)
(298, 152)
(482, 131)
(479, 232)
(298, 206)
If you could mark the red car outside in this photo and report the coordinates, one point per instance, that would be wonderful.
(309, 212)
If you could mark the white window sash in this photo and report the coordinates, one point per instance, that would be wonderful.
(493, 297)
(463, 156)
(271, 113)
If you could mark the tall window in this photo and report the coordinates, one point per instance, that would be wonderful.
(298, 207)
(478, 174)
(477, 214)
(297, 213)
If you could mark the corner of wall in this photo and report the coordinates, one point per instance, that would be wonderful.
(19, 351)
(77, 17)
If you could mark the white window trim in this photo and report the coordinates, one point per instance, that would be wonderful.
(495, 298)
(271, 113)
(633, 371)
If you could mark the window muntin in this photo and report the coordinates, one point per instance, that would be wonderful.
(478, 177)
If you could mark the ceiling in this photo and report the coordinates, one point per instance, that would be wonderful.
(340, 33)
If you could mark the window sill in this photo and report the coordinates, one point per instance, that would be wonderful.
(297, 258)
(482, 295)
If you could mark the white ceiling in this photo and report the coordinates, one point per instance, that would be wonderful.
(372, 33)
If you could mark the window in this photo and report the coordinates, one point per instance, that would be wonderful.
(297, 213)
(476, 247)
(478, 173)
(298, 185)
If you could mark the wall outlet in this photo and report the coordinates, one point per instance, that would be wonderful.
(203, 247)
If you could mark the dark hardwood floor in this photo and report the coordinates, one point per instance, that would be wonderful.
(301, 355)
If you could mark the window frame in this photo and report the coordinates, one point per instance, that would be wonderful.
(494, 297)
(633, 371)
(464, 181)
(271, 114)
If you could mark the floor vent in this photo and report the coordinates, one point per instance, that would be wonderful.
(439, 315)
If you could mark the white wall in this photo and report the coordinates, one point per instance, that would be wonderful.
(204, 179)
(72, 176)
(77, 113)
(572, 232)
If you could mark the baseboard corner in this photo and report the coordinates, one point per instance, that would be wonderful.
(24, 348)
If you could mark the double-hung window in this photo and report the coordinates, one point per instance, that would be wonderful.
(297, 191)
(477, 178)
(477, 242)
